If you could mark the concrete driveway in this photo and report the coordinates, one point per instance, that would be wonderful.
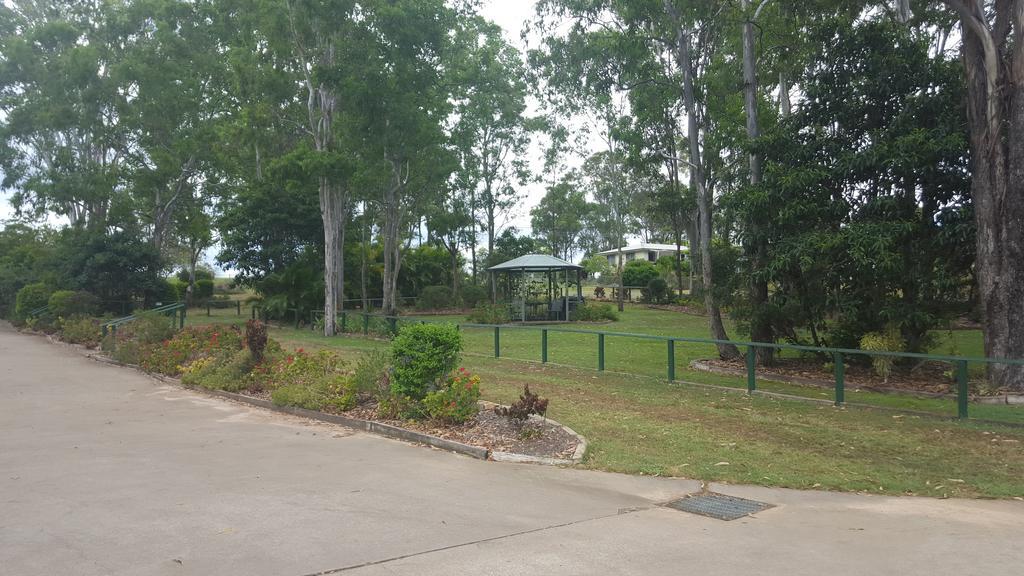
(105, 471)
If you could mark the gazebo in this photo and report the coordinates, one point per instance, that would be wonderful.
(537, 287)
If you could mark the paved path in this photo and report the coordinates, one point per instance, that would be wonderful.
(104, 471)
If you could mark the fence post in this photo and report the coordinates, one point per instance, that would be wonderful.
(600, 351)
(366, 324)
(961, 389)
(113, 338)
(544, 345)
(207, 309)
(840, 371)
(751, 373)
(253, 310)
(671, 360)
(497, 342)
(238, 306)
(181, 323)
(296, 318)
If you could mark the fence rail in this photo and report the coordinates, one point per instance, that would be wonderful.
(389, 325)
(175, 310)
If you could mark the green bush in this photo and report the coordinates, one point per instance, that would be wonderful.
(80, 329)
(204, 289)
(371, 374)
(657, 291)
(313, 381)
(193, 343)
(421, 355)
(592, 312)
(30, 297)
(150, 328)
(226, 372)
(66, 303)
(639, 273)
(457, 401)
(435, 298)
(473, 295)
(890, 341)
(487, 313)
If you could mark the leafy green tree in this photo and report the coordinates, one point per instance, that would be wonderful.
(558, 219)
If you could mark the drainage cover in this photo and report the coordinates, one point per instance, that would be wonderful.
(718, 505)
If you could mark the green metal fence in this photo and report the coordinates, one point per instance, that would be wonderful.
(386, 326)
(176, 311)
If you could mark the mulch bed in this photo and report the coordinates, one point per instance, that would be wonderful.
(927, 377)
(488, 430)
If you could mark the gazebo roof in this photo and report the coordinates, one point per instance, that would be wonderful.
(535, 262)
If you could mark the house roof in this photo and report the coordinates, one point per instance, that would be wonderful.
(535, 262)
(644, 248)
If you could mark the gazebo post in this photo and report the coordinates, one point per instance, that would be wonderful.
(523, 286)
(565, 295)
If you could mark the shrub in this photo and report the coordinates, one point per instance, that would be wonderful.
(487, 313)
(371, 374)
(473, 295)
(171, 356)
(591, 312)
(256, 338)
(657, 290)
(79, 329)
(313, 381)
(150, 328)
(227, 372)
(66, 303)
(520, 410)
(30, 297)
(435, 298)
(639, 273)
(457, 401)
(421, 355)
(203, 290)
(890, 341)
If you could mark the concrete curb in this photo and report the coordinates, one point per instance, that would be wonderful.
(576, 458)
(369, 426)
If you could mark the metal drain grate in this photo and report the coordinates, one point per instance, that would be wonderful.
(718, 505)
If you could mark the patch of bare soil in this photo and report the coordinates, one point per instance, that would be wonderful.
(488, 430)
(691, 309)
(930, 378)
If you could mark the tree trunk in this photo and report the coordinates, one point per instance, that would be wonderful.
(332, 215)
(757, 250)
(703, 191)
(994, 69)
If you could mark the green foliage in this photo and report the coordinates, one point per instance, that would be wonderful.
(638, 273)
(371, 375)
(313, 381)
(115, 267)
(594, 312)
(472, 295)
(657, 291)
(227, 371)
(80, 329)
(300, 286)
(435, 298)
(423, 268)
(889, 341)
(457, 401)
(173, 355)
(558, 219)
(204, 289)
(66, 303)
(31, 297)
(487, 313)
(23, 254)
(421, 355)
(598, 266)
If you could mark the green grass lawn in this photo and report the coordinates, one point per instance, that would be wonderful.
(643, 424)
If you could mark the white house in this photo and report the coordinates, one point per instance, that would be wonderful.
(649, 252)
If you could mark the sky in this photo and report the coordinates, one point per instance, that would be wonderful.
(511, 15)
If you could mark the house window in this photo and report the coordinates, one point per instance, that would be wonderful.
(652, 256)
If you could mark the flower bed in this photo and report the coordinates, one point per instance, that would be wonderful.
(413, 387)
